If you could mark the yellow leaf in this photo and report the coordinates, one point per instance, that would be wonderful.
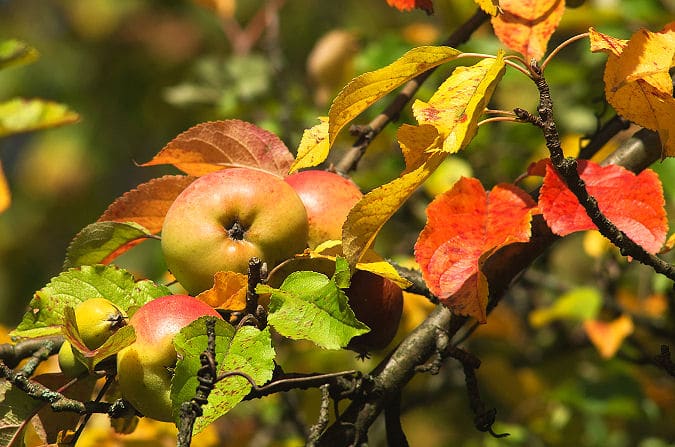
(5, 195)
(314, 146)
(375, 208)
(414, 142)
(228, 291)
(637, 80)
(608, 336)
(489, 6)
(367, 88)
(458, 103)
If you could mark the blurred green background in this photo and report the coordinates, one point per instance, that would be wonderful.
(140, 72)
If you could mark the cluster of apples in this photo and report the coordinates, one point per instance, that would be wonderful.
(219, 223)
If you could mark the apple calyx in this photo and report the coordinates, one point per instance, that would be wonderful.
(236, 231)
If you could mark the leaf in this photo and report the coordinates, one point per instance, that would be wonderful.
(634, 203)
(607, 337)
(47, 308)
(579, 304)
(489, 6)
(637, 79)
(370, 214)
(526, 26)
(457, 104)
(101, 242)
(314, 147)
(367, 88)
(217, 145)
(15, 52)
(228, 291)
(24, 115)
(248, 350)
(5, 195)
(465, 225)
(408, 5)
(310, 306)
(148, 203)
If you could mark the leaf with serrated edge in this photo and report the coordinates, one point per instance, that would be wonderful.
(309, 306)
(248, 350)
(367, 88)
(489, 6)
(456, 106)
(147, 204)
(314, 146)
(100, 242)
(217, 145)
(228, 291)
(24, 115)
(46, 309)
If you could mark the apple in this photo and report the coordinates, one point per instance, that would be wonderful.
(144, 368)
(328, 197)
(96, 319)
(225, 218)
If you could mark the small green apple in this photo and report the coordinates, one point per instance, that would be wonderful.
(225, 218)
(144, 368)
(69, 364)
(328, 197)
(97, 319)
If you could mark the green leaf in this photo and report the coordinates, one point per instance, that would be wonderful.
(47, 308)
(248, 350)
(14, 52)
(24, 115)
(342, 274)
(579, 304)
(309, 306)
(15, 408)
(100, 242)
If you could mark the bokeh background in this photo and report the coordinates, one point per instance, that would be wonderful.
(140, 72)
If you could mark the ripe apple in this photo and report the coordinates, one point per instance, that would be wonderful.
(97, 319)
(328, 197)
(144, 368)
(225, 218)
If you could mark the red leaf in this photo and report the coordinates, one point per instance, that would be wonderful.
(634, 203)
(407, 5)
(217, 145)
(464, 227)
(148, 203)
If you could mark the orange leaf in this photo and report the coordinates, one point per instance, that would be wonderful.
(217, 145)
(634, 203)
(147, 204)
(465, 225)
(228, 291)
(608, 336)
(407, 5)
(5, 195)
(526, 26)
(637, 79)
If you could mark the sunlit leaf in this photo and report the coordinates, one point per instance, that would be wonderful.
(248, 350)
(314, 146)
(5, 195)
(579, 304)
(407, 5)
(457, 104)
(464, 227)
(101, 242)
(366, 89)
(217, 145)
(24, 115)
(14, 52)
(607, 336)
(148, 203)
(228, 291)
(526, 26)
(634, 203)
(489, 6)
(311, 306)
(47, 308)
(637, 79)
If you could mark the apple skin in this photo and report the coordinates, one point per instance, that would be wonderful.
(143, 368)
(328, 198)
(225, 218)
(97, 319)
(69, 364)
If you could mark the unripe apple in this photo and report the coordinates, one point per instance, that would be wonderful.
(328, 198)
(69, 364)
(144, 368)
(225, 218)
(97, 319)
